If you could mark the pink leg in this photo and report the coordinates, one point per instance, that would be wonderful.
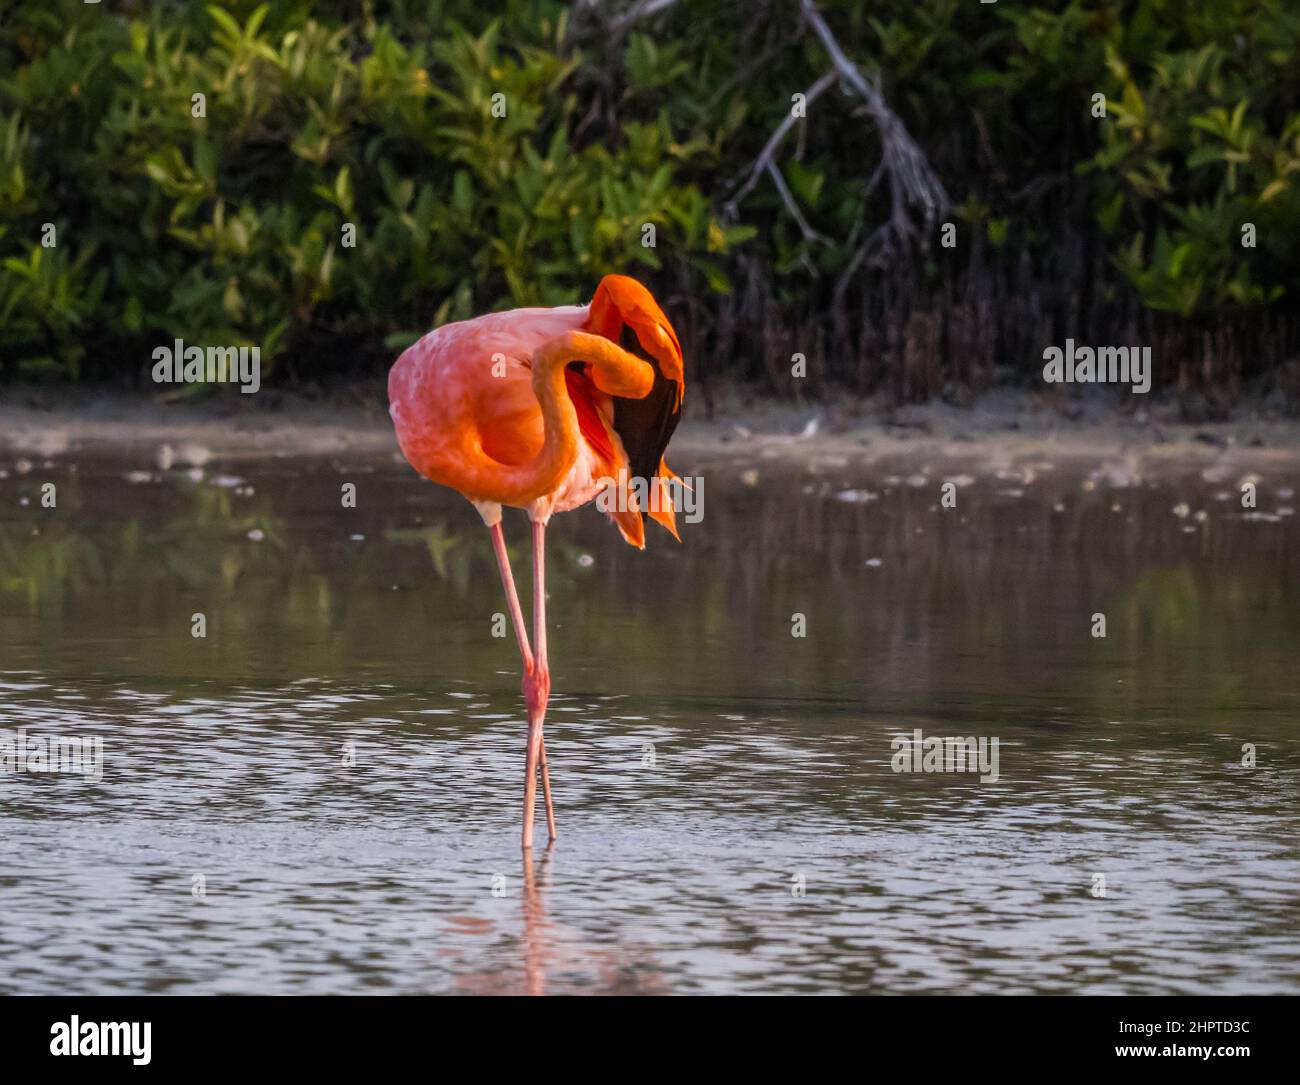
(512, 596)
(531, 688)
(541, 671)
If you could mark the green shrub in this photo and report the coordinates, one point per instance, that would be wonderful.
(230, 227)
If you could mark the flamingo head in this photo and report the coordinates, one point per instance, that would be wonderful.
(626, 313)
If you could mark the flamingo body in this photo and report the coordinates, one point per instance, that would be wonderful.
(466, 407)
(542, 409)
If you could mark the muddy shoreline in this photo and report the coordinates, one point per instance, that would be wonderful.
(1000, 426)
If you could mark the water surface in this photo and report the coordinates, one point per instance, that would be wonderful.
(323, 793)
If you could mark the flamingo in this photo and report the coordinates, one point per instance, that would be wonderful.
(545, 410)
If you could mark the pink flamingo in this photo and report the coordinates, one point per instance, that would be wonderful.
(543, 410)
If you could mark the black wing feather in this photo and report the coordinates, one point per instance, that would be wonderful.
(645, 426)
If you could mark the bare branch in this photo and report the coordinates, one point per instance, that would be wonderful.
(912, 183)
(643, 9)
(808, 232)
(764, 160)
(586, 13)
(877, 241)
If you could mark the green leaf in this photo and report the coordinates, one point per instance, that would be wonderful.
(403, 339)
(226, 21)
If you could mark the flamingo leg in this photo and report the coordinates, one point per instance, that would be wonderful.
(512, 596)
(532, 686)
(542, 671)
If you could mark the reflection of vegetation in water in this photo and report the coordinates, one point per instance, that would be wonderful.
(198, 549)
(299, 591)
(89, 571)
(39, 570)
(984, 610)
(450, 557)
(1208, 643)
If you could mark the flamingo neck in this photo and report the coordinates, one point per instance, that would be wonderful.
(543, 474)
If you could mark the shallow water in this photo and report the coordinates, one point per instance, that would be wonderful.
(323, 794)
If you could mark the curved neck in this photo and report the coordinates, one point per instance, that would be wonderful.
(542, 474)
(613, 370)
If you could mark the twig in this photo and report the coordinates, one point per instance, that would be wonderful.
(585, 12)
(764, 161)
(808, 232)
(911, 181)
(879, 237)
(913, 184)
(641, 10)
